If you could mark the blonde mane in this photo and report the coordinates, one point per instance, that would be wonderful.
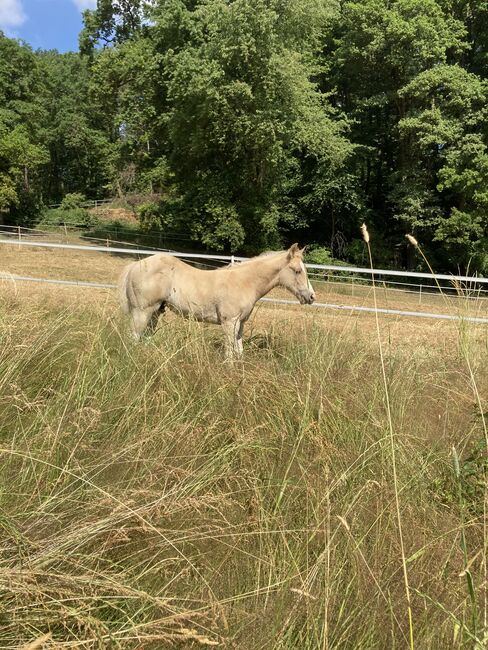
(252, 259)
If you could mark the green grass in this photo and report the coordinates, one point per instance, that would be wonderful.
(151, 495)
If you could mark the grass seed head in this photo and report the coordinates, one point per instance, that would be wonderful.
(365, 233)
(412, 240)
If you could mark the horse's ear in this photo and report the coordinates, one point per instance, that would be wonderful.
(293, 250)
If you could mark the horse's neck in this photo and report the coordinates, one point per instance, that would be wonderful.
(265, 271)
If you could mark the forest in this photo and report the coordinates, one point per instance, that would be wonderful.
(249, 124)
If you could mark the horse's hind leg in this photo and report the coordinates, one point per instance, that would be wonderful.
(153, 322)
(143, 319)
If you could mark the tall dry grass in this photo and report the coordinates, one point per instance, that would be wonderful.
(151, 496)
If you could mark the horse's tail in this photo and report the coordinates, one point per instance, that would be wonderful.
(123, 287)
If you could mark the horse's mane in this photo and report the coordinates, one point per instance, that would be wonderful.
(252, 259)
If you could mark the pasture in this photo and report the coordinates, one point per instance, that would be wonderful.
(153, 497)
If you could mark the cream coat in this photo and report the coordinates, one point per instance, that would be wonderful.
(224, 296)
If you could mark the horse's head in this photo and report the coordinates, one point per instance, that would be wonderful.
(293, 276)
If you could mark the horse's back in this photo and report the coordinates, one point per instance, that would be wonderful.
(209, 295)
(144, 282)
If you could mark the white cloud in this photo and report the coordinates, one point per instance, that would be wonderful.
(83, 4)
(11, 14)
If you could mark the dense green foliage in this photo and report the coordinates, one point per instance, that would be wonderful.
(252, 122)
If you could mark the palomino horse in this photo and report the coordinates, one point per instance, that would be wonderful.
(223, 296)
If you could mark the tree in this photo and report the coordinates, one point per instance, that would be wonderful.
(76, 132)
(245, 122)
(22, 151)
(125, 87)
(250, 122)
(474, 15)
(112, 22)
(447, 128)
(378, 48)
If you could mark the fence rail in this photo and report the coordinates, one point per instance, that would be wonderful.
(62, 229)
(234, 258)
(89, 203)
(317, 275)
(325, 272)
(277, 301)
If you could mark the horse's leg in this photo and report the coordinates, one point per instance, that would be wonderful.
(232, 348)
(153, 322)
(239, 339)
(142, 318)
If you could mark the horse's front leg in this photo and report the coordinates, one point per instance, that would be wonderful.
(233, 345)
(239, 338)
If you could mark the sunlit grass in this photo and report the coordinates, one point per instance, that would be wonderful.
(152, 495)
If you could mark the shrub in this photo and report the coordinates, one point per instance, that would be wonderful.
(149, 215)
(72, 217)
(321, 255)
(73, 201)
(318, 255)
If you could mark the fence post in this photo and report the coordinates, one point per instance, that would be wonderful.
(20, 236)
(420, 295)
(232, 262)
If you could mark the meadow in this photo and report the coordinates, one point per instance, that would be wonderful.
(328, 492)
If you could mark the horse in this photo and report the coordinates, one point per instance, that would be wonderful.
(224, 296)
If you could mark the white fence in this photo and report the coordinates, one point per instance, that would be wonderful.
(89, 203)
(325, 269)
(63, 230)
(234, 258)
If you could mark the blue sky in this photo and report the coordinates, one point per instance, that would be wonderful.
(46, 24)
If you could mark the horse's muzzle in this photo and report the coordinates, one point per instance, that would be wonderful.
(306, 297)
